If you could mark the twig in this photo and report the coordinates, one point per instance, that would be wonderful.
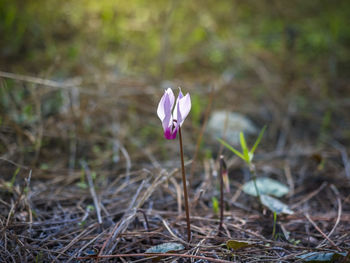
(178, 194)
(172, 233)
(92, 191)
(26, 193)
(128, 161)
(85, 246)
(321, 232)
(72, 148)
(311, 195)
(14, 163)
(147, 224)
(127, 218)
(288, 174)
(159, 255)
(40, 81)
(136, 195)
(76, 239)
(344, 157)
(336, 192)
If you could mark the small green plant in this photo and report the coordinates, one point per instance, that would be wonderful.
(247, 155)
(82, 184)
(39, 257)
(13, 179)
(215, 203)
(11, 183)
(274, 225)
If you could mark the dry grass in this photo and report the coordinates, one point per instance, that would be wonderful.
(108, 128)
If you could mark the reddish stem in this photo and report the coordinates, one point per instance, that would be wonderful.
(222, 167)
(185, 189)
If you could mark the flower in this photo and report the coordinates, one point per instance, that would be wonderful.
(171, 121)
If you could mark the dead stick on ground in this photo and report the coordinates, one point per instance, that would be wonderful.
(14, 163)
(159, 255)
(75, 240)
(344, 157)
(321, 232)
(311, 195)
(147, 224)
(172, 233)
(40, 81)
(336, 192)
(128, 217)
(85, 246)
(92, 191)
(128, 161)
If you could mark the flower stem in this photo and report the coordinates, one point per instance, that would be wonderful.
(222, 164)
(185, 188)
(253, 172)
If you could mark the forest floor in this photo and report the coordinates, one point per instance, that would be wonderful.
(86, 175)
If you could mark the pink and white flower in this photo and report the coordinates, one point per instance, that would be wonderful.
(171, 118)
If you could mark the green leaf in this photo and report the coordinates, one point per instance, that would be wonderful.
(244, 147)
(44, 166)
(215, 205)
(13, 179)
(165, 248)
(82, 185)
(236, 152)
(275, 205)
(90, 208)
(266, 186)
(258, 140)
(236, 244)
(314, 257)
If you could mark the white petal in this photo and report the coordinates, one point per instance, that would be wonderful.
(161, 105)
(184, 107)
(170, 92)
(175, 113)
(160, 109)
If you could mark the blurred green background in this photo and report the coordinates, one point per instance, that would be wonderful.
(167, 39)
(282, 63)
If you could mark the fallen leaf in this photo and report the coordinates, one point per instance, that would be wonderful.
(266, 186)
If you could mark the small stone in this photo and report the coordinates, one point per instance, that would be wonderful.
(228, 125)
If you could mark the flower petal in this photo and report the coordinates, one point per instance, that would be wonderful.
(176, 111)
(184, 107)
(170, 92)
(161, 106)
(172, 122)
(168, 118)
(160, 109)
(164, 108)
